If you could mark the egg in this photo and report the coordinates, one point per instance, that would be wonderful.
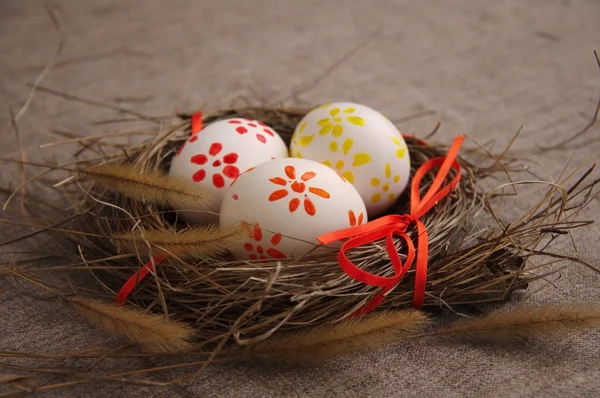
(285, 204)
(214, 157)
(362, 145)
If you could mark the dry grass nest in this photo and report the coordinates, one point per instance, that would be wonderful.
(118, 218)
(109, 211)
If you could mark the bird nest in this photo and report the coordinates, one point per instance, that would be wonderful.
(118, 220)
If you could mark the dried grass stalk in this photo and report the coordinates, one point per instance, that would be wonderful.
(525, 323)
(152, 187)
(27, 384)
(192, 242)
(152, 332)
(350, 335)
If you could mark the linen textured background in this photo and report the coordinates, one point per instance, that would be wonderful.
(484, 68)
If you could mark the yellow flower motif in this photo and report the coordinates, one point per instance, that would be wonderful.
(346, 146)
(385, 186)
(306, 140)
(358, 159)
(302, 126)
(401, 151)
(302, 140)
(339, 167)
(332, 124)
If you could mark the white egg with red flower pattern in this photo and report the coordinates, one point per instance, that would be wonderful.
(286, 204)
(214, 157)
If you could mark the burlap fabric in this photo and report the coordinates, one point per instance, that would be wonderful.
(485, 69)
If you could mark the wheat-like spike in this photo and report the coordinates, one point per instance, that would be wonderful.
(150, 331)
(153, 187)
(347, 336)
(191, 242)
(25, 383)
(524, 323)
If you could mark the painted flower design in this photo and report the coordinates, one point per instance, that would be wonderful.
(343, 168)
(355, 219)
(259, 249)
(243, 126)
(385, 185)
(401, 150)
(299, 189)
(223, 166)
(301, 140)
(296, 154)
(333, 123)
(192, 139)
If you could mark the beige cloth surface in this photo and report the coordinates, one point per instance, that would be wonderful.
(485, 68)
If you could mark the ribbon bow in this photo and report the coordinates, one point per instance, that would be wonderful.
(397, 225)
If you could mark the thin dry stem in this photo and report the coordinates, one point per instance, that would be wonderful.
(50, 10)
(584, 130)
(100, 104)
(295, 93)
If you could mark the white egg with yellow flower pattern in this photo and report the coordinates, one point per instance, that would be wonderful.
(362, 145)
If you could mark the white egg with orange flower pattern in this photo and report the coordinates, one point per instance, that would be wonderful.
(214, 157)
(286, 204)
(362, 145)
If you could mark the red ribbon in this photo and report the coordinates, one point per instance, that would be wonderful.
(196, 122)
(132, 282)
(417, 140)
(397, 225)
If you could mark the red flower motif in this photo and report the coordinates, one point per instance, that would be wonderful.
(245, 124)
(229, 170)
(298, 187)
(192, 139)
(256, 248)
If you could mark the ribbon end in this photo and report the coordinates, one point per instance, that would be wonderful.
(196, 122)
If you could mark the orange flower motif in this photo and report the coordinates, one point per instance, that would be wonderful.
(257, 248)
(354, 221)
(295, 187)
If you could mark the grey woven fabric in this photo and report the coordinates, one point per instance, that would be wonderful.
(484, 68)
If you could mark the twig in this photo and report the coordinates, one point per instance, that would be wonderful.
(38, 81)
(586, 128)
(295, 93)
(21, 158)
(100, 104)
